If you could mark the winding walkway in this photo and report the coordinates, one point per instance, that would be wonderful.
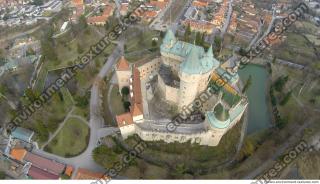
(51, 136)
(85, 160)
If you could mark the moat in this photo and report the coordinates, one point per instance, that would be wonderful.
(259, 115)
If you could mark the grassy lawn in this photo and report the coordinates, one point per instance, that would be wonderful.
(141, 41)
(313, 39)
(296, 49)
(39, 85)
(306, 27)
(74, 136)
(50, 115)
(116, 104)
(68, 51)
(116, 101)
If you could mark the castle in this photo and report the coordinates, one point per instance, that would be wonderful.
(179, 76)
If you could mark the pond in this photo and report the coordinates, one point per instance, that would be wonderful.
(259, 115)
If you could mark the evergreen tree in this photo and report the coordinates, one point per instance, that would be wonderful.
(187, 33)
(285, 100)
(82, 22)
(198, 39)
(280, 83)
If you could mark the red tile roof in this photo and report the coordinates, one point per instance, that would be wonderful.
(159, 4)
(68, 170)
(107, 12)
(123, 64)
(200, 3)
(40, 174)
(77, 2)
(137, 96)
(199, 25)
(124, 119)
(44, 163)
(18, 153)
(150, 14)
(136, 110)
(84, 174)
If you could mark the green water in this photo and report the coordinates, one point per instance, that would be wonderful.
(259, 116)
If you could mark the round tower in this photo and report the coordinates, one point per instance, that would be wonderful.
(190, 75)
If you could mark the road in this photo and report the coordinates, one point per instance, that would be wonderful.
(96, 122)
(254, 40)
(227, 22)
(157, 22)
(274, 18)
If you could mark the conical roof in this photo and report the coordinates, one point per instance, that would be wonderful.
(123, 64)
(169, 37)
(192, 64)
(209, 52)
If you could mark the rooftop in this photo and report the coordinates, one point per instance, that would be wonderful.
(124, 119)
(84, 174)
(22, 134)
(123, 64)
(40, 174)
(44, 163)
(18, 153)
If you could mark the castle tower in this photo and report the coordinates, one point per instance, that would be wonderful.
(189, 78)
(195, 74)
(123, 73)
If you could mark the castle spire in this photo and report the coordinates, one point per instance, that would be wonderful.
(209, 52)
(192, 65)
(169, 37)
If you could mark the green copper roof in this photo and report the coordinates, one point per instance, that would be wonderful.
(221, 119)
(169, 37)
(22, 134)
(227, 76)
(215, 122)
(221, 113)
(196, 60)
(237, 110)
(192, 64)
(209, 52)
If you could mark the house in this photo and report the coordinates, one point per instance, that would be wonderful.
(84, 174)
(45, 164)
(22, 134)
(77, 12)
(36, 173)
(101, 20)
(201, 26)
(69, 170)
(18, 153)
(124, 9)
(200, 3)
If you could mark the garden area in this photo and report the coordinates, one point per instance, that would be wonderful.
(74, 136)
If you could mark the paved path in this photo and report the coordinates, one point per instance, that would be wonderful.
(226, 25)
(85, 160)
(58, 129)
